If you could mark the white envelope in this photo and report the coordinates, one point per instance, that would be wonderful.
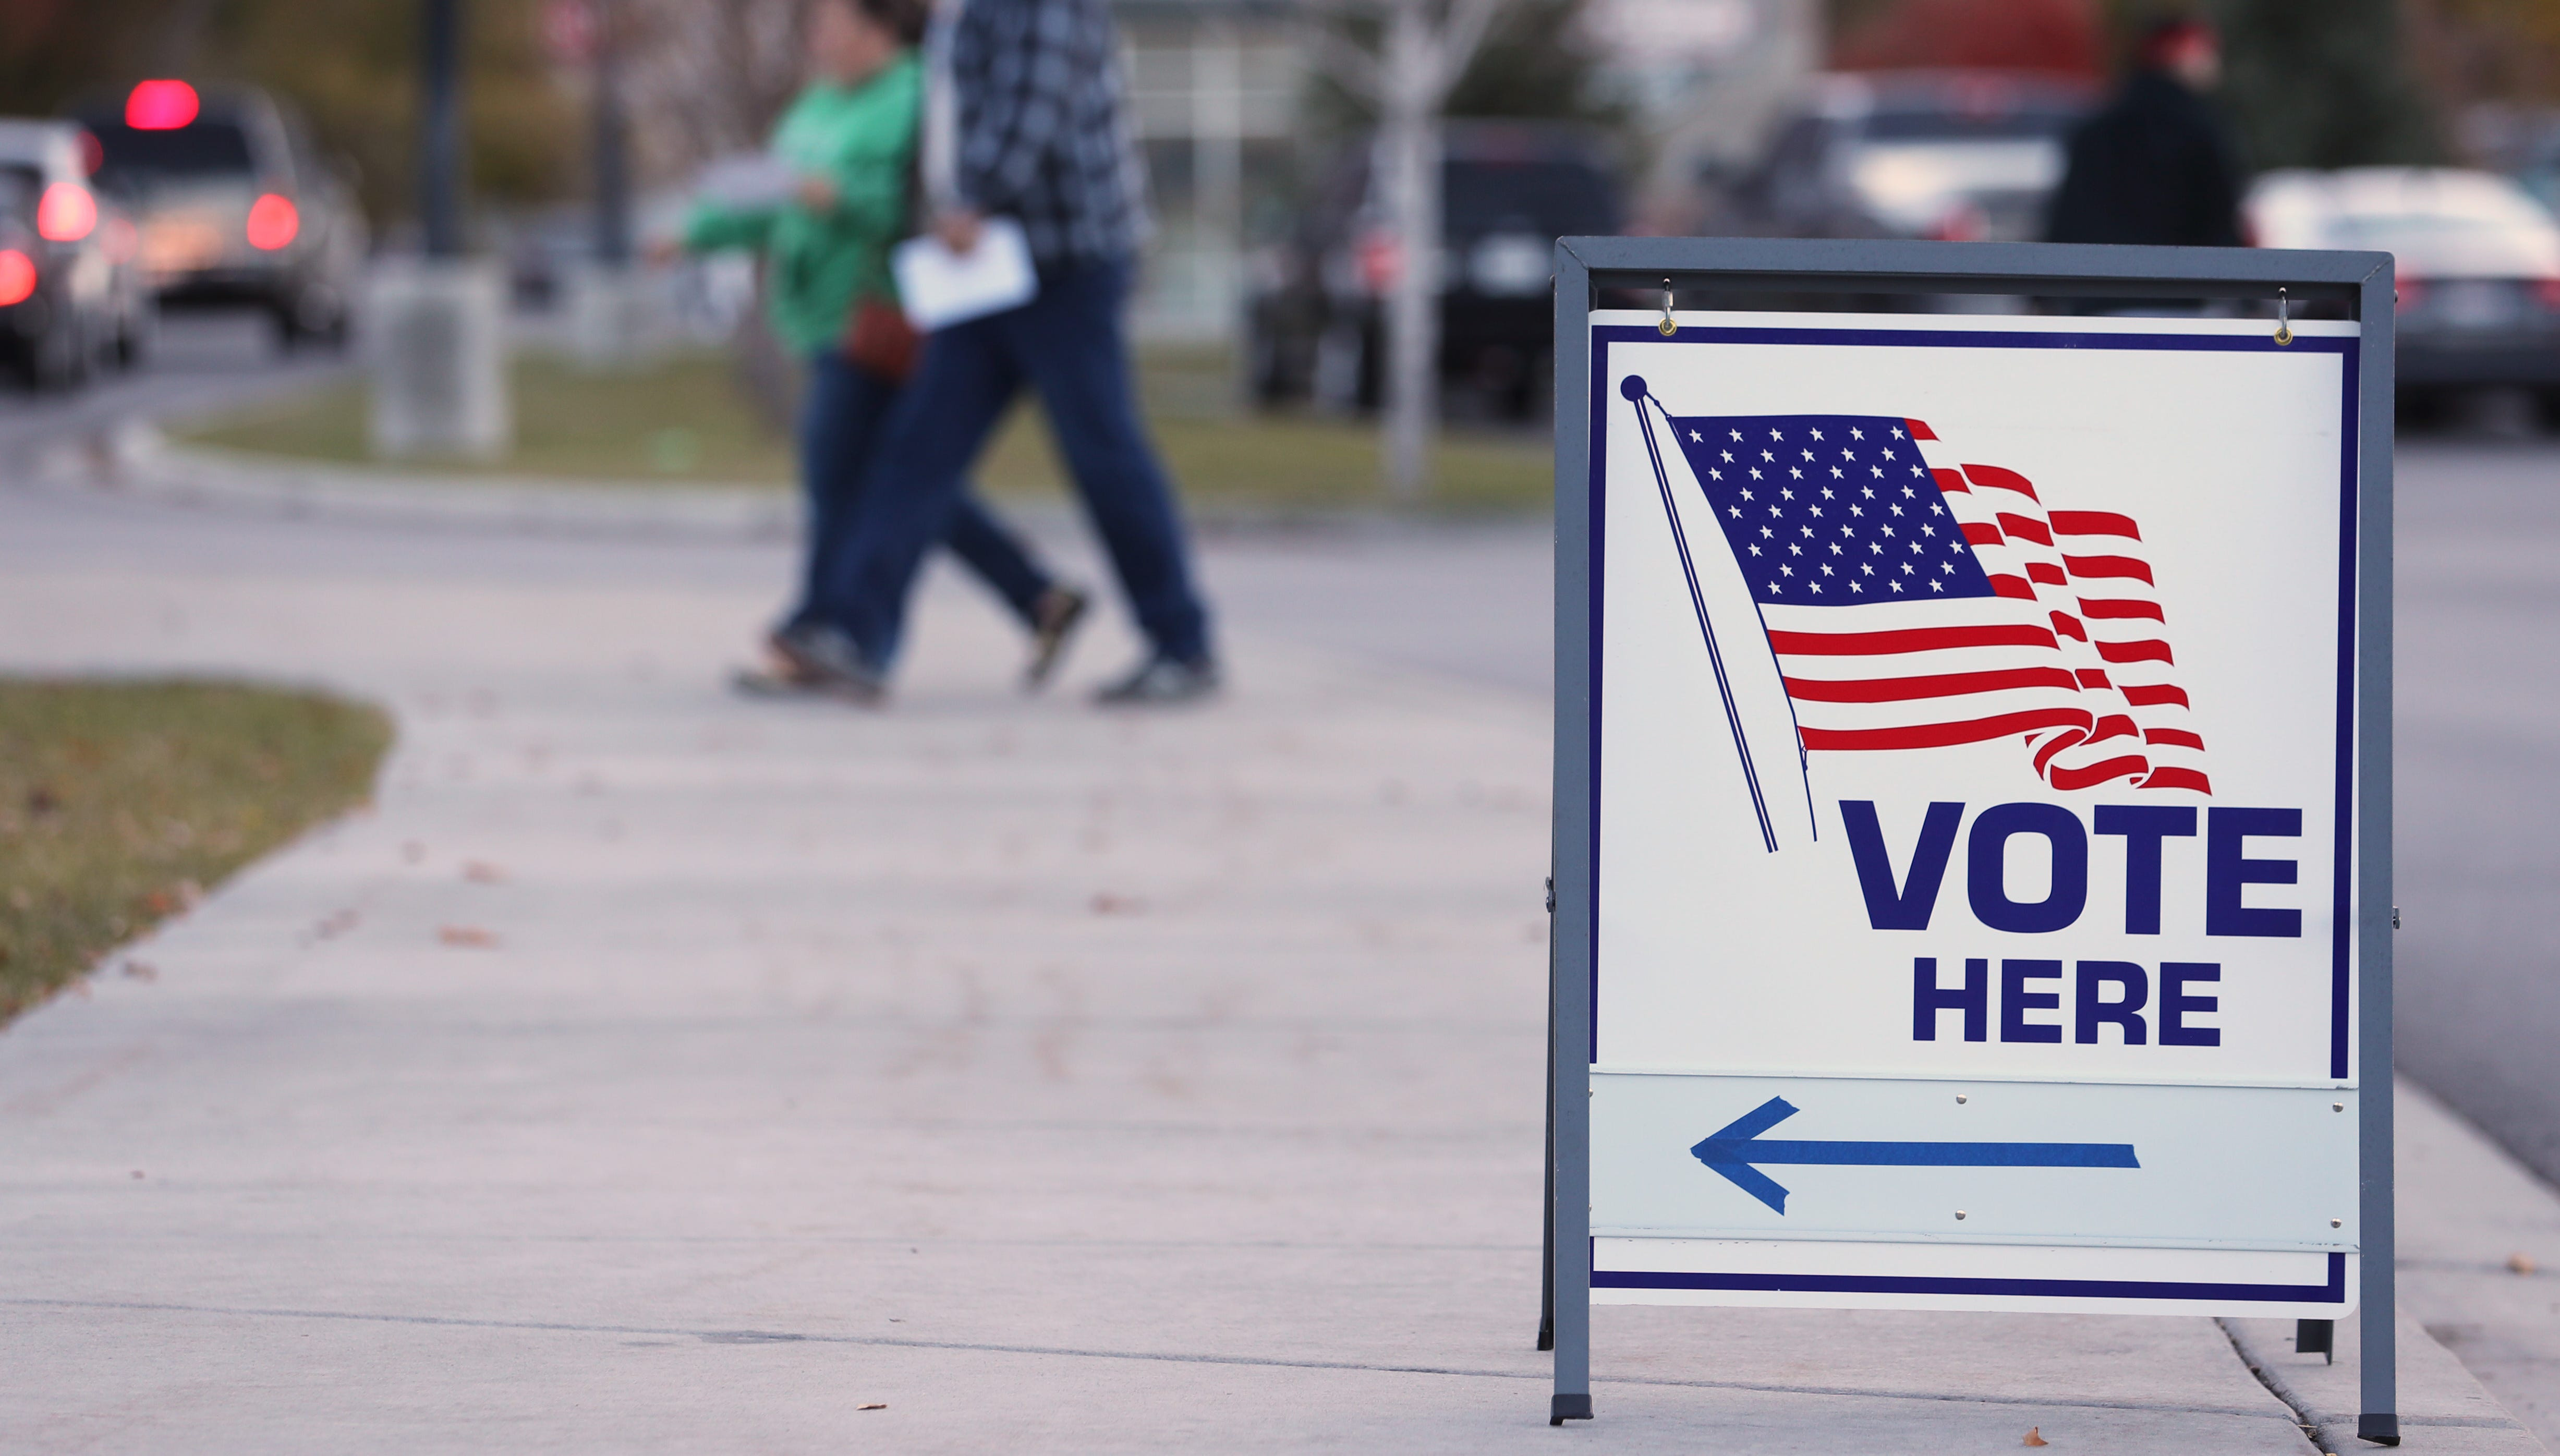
(940, 287)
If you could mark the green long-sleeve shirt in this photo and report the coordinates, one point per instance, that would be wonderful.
(861, 138)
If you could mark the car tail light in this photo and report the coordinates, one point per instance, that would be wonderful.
(93, 152)
(66, 213)
(272, 222)
(2546, 292)
(16, 276)
(2406, 291)
(1963, 222)
(160, 105)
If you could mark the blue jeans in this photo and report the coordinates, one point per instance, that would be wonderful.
(1067, 343)
(839, 431)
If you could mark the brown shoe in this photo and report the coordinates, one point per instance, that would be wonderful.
(1054, 618)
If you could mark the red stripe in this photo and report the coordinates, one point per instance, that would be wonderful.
(2116, 609)
(2095, 522)
(2020, 526)
(2174, 738)
(1938, 684)
(2109, 566)
(2065, 625)
(2068, 739)
(1944, 734)
(2154, 651)
(1918, 430)
(2155, 695)
(2113, 725)
(2012, 586)
(1980, 534)
(2046, 573)
(1909, 639)
(1949, 480)
(2178, 778)
(2098, 773)
(2090, 677)
(1992, 475)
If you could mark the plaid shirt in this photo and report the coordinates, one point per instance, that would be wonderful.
(1042, 138)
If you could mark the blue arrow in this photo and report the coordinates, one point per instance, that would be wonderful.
(1734, 1147)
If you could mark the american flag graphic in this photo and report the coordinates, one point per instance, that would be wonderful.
(1915, 601)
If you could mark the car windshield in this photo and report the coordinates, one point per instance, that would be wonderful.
(204, 151)
(1550, 199)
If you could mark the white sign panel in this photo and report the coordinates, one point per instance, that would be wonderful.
(1974, 887)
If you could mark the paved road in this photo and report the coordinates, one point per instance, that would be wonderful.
(204, 361)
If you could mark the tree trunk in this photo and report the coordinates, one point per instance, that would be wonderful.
(1409, 137)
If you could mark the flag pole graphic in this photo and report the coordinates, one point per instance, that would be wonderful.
(1633, 388)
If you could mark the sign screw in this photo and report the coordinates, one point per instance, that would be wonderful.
(2337, 1106)
(1960, 1215)
(2338, 1223)
(1960, 1099)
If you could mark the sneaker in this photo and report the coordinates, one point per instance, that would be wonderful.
(823, 660)
(1163, 680)
(1055, 616)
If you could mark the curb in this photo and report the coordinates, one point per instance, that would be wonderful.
(137, 460)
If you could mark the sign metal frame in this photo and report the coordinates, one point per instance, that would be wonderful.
(2362, 281)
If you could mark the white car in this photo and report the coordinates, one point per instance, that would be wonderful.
(2479, 264)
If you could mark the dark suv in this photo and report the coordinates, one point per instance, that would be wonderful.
(1314, 325)
(234, 204)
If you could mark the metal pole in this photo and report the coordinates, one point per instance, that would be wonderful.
(440, 159)
(613, 152)
(1569, 1009)
(2379, 1421)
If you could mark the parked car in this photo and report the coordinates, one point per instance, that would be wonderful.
(234, 204)
(70, 291)
(2478, 264)
(1944, 154)
(1315, 321)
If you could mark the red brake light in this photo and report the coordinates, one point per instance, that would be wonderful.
(160, 105)
(272, 222)
(2547, 292)
(92, 153)
(66, 213)
(16, 276)
(2407, 290)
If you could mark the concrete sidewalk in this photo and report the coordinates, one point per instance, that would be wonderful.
(1049, 1079)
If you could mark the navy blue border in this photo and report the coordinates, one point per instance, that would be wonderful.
(2332, 1292)
(2344, 812)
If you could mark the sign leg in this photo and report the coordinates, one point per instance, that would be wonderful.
(1546, 1213)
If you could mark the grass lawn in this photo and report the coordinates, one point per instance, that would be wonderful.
(121, 802)
(685, 420)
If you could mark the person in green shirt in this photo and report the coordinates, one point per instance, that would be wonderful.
(850, 141)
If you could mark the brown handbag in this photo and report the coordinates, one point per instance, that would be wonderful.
(879, 341)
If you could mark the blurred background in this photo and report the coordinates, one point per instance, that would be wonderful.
(235, 169)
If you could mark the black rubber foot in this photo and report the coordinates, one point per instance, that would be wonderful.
(2382, 1430)
(1579, 1407)
(1547, 1333)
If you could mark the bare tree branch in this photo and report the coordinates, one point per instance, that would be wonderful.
(1355, 68)
(1460, 34)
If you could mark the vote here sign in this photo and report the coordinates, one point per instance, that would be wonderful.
(1973, 812)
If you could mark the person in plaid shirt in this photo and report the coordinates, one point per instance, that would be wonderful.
(1030, 127)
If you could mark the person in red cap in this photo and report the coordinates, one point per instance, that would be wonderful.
(2156, 165)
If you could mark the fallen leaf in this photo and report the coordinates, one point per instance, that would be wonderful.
(2521, 1263)
(142, 970)
(471, 937)
(875, 1406)
(138, 1172)
(41, 801)
(481, 872)
(2034, 1438)
(1117, 905)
